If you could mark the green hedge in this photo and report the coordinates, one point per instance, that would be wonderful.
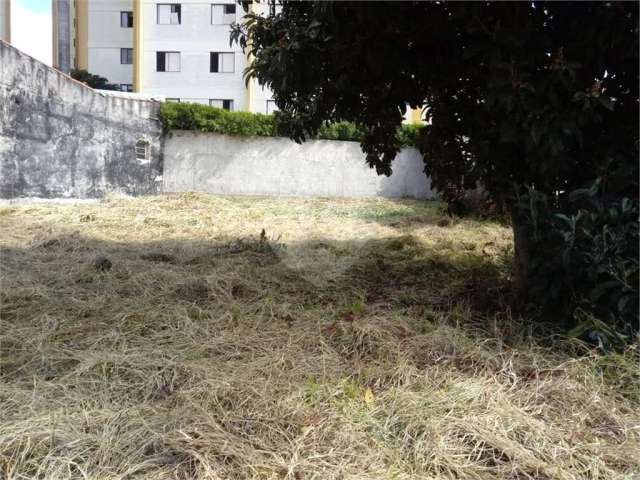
(203, 118)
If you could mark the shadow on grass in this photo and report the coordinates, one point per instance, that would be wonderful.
(74, 273)
(177, 358)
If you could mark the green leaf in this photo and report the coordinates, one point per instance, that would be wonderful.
(603, 289)
(606, 102)
(624, 301)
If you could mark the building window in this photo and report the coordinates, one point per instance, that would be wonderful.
(126, 56)
(167, 61)
(271, 106)
(126, 87)
(225, 104)
(169, 14)
(142, 150)
(126, 19)
(222, 62)
(223, 14)
(175, 100)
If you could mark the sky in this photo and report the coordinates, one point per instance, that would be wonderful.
(31, 28)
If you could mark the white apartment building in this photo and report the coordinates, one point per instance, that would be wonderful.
(176, 49)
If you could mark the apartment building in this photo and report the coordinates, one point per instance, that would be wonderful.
(176, 49)
(5, 20)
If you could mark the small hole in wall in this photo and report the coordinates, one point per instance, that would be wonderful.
(17, 100)
(142, 150)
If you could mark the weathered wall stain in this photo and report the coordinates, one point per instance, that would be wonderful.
(59, 138)
(225, 164)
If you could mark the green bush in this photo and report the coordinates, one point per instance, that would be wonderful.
(584, 260)
(93, 81)
(203, 118)
(340, 131)
(408, 134)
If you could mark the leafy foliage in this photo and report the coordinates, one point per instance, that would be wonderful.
(585, 259)
(93, 81)
(537, 93)
(204, 118)
(540, 96)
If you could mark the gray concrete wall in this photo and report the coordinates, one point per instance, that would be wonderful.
(59, 138)
(223, 164)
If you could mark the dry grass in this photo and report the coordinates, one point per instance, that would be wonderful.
(165, 338)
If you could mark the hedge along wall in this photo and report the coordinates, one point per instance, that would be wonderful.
(203, 118)
(211, 150)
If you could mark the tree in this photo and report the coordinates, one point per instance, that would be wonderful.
(93, 81)
(519, 95)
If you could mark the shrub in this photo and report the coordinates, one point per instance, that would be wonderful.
(93, 81)
(476, 203)
(204, 118)
(346, 131)
(408, 134)
(585, 260)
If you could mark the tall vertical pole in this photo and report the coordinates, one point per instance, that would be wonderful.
(250, 83)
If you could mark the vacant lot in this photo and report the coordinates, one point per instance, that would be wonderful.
(194, 336)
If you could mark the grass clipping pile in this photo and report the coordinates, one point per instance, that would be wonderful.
(199, 337)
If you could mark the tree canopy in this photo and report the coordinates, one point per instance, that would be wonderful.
(93, 81)
(537, 102)
(540, 93)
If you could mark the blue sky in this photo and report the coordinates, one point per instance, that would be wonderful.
(31, 27)
(36, 6)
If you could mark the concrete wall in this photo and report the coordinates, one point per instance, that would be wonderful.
(59, 138)
(223, 164)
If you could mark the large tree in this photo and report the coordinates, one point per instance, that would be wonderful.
(519, 95)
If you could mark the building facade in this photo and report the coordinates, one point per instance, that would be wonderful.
(5, 20)
(63, 29)
(178, 50)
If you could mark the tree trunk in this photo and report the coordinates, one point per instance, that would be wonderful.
(521, 256)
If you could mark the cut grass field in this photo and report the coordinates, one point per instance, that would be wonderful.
(201, 337)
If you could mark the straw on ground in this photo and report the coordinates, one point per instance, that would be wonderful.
(192, 336)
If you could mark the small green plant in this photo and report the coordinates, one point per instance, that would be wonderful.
(356, 307)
